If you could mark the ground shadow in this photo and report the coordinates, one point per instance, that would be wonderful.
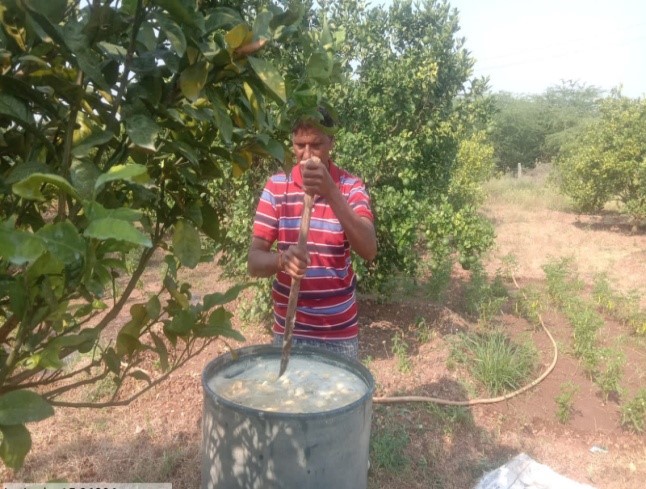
(445, 447)
(611, 222)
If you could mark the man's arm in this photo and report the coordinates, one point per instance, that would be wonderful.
(262, 262)
(359, 230)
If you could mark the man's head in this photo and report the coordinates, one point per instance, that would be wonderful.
(311, 138)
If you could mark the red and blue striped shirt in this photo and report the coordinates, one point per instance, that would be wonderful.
(327, 306)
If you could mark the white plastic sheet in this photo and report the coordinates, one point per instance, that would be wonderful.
(523, 472)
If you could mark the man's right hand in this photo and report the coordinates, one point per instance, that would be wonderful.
(295, 261)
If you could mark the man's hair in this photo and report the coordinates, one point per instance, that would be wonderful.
(324, 120)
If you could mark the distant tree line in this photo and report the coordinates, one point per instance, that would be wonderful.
(596, 141)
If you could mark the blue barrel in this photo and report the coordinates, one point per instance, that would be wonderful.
(244, 447)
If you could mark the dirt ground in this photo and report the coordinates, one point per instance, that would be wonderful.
(157, 438)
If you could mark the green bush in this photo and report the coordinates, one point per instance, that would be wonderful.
(607, 162)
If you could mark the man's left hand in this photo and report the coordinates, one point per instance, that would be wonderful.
(316, 177)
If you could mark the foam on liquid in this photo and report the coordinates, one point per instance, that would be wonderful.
(307, 386)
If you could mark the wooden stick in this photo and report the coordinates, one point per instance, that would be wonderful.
(290, 317)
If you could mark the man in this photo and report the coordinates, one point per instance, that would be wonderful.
(326, 314)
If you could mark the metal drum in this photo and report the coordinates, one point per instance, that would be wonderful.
(244, 447)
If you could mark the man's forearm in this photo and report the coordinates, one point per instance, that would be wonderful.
(263, 263)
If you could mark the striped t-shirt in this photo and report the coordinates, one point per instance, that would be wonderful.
(326, 307)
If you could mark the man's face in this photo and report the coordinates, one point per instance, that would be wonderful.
(309, 141)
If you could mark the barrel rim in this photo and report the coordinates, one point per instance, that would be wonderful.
(226, 359)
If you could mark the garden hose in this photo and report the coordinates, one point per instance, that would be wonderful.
(473, 402)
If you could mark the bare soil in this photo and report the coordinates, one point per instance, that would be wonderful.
(157, 437)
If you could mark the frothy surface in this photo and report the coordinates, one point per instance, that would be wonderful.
(307, 386)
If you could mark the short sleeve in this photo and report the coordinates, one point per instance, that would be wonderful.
(265, 223)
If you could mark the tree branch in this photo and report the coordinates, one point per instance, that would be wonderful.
(127, 401)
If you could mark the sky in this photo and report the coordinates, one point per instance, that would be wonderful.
(526, 46)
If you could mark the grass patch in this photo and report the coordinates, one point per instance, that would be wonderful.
(387, 449)
(532, 191)
(450, 417)
(400, 350)
(498, 363)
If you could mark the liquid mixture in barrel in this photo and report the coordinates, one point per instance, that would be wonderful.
(307, 386)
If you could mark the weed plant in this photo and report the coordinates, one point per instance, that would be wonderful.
(633, 412)
(585, 322)
(256, 307)
(609, 379)
(495, 361)
(439, 280)
(622, 307)
(563, 283)
(483, 299)
(530, 303)
(422, 330)
(565, 401)
(400, 350)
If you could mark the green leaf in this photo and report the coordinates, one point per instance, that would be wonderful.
(63, 240)
(30, 187)
(181, 14)
(45, 264)
(127, 344)
(153, 307)
(181, 323)
(19, 247)
(186, 243)
(219, 299)
(53, 10)
(112, 361)
(140, 375)
(113, 50)
(83, 147)
(142, 131)
(261, 28)
(22, 170)
(49, 359)
(236, 36)
(22, 406)
(193, 79)
(162, 351)
(223, 121)
(210, 222)
(110, 228)
(83, 175)
(14, 108)
(130, 172)
(320, 66)
(77, 42)
(222, 18)
(95, 211)
(270, 76)
(219, 324)
(16, 443)
(173, 32)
